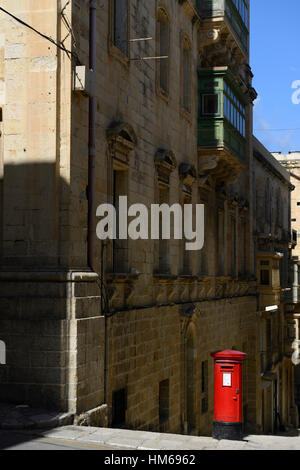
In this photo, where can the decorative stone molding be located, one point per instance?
(209, 36)
(165, 288)
(165, 163)
(187, 174)
(205, 182)
(220, 164)
(218, 46)
(121, 288)
(121, 140)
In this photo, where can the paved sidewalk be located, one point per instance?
(102, 438)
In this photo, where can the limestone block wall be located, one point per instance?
(50, 317)
(148, 346)
(29, 105)
(54, 339)
(127, 93)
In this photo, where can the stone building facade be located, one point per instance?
(272, 195)
(291, 162)
(145, 99)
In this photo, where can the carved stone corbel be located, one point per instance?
(129, 291)
(209, 36)
(208, 163)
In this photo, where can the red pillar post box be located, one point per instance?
(228, 400)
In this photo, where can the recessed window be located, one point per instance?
(119, 246)
(119, 407)
(186, 75)
(265, 277)
(120, 30)
(265, 263)
(164, 393)
(204, 387)
(210, 104)
(163, 36)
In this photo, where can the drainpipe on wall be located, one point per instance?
(92, 135)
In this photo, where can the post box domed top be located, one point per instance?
(229, 355)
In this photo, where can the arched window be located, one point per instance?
(163, 49)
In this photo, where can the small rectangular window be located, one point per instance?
(264, 277)
(265, 263)
(164, 392)
(204, 386)
(210, 104)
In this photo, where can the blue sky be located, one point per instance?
(275, 62)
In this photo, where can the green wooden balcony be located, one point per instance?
(233, 12)
(221, 118)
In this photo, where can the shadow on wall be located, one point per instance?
(33, 287)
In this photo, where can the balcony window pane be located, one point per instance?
(210, 104)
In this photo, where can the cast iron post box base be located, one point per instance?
(228, 431)
(228, 396)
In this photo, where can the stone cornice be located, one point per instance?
(258, 156)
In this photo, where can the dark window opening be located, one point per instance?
(121, 25)
(164, 392)
(119, 407)
(265, 263)
(264, 277)
(204, 387)
(164, 52)
(210, 104)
